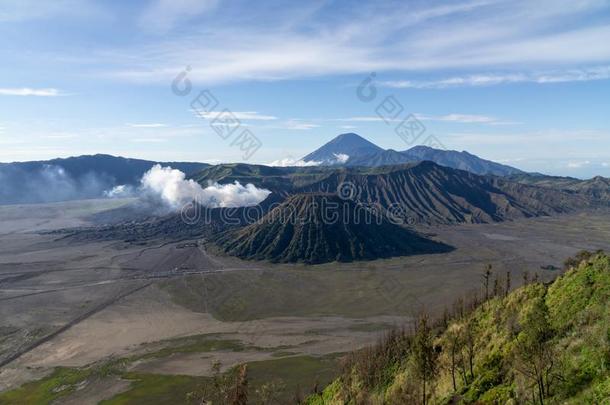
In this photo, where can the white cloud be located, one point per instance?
(363, 119)
(341, 157)
(26, 10)
(286, 162)
(152, 125)
(464, 119)
(299, 125)
(162, 15)
(59, 135)
(240, 115)
(454, 117)
(408, 37)
(26, 91)
(535, 141)
(578, 165)
(556, 76)
(228, 124)
(149, 140)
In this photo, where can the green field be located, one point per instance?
(287, 376)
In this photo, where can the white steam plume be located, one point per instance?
(341, 157)
(286, 162)
(174, 191)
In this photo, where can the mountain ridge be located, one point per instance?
(373, 155)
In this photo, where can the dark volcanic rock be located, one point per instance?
(316, 228)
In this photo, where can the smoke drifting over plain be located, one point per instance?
(48, 183)
(159, 190)
(169, 188)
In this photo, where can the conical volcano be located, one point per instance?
(316, 228)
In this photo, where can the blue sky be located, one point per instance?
(521, 82)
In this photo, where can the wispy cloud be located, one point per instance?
(361, 119)
(578, 165)
(149, 140)
(458, 118)
(26, 91)
(556, 76)
(162, 15)
(289, 161)
(534, 141)
(59, 135)
(25, 10)
(408, 37)
(465, 119)
(240, 115)
(151, 125)
(299, 125)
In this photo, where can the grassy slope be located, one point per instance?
(579, 314)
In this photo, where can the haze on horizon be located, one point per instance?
(517, 82)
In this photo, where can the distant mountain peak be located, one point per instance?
(341, 148)
(350, 136)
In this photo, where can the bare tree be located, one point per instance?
(534, 351)
(526, 277)
(496, 290)
(469, 345)
(454, 347)
(486, 276)
(239, 391)
(425, 357)
(458, 307)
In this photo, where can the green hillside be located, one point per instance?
(539, 344)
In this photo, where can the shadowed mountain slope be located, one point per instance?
(428, 193)
(316, 228)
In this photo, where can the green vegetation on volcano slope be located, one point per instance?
(536, 345)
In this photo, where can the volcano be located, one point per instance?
(317, 228)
